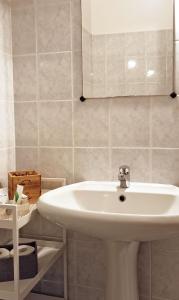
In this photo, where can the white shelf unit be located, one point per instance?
(47, 252)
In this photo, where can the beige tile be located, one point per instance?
(76, 25)
(89, 293)
(130, 122)
(26, 124)
(26, 158)
(98, 76)
(135, 43)
(5, 27)
(135, 89)
(50, 230)
(144, 270)
(98, 88)
(71, 262)
(55, 123)
(53, 26)
(157, 88)
(165, 122)
(158, 66)
(77, 74)
(115, 69)
(169, 73)
(98, 46)
(141, 297)
(11, 163)
(33, 228)
(41, 3)
(165, 270)
(56, 162)
(78, 236)
(90, 258)
(10, 125)
(86, 42)
(9, 80)
(177, 67)
(55, 77)
(135, 67)
(168, 245)
(72, 292)
(170, 42)
(114, 88)
(91, 123)
(177, 19)
(4, 167)
(21, 4)
(4, 124)
(136, 159)
(165, 166)
(24, 78)
(23, 28)
(91, 164)
(5, 77)
(156, 42)
(98, 66)
(115, 45)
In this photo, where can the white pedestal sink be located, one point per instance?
(121, 217)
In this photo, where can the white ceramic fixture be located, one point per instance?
(121, 217)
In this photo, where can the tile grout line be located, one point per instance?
(72, 92)
(95, 147)
(109, 139)
(150, 138)
(41, 101)
(42, 53)
(12, 87)
(37, 85)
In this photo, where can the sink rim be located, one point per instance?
(129, 217)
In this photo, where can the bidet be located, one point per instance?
(121, 217)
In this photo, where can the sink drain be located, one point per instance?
(122, 198)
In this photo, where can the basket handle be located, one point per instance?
(25, 181)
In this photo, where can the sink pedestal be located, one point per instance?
(121, 281)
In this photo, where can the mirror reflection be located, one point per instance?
(127, 47)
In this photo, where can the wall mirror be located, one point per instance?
(127, 47)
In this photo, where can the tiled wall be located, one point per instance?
(177, 46)
(61, 136)
(124, 64)
(7, 134)
(7, 142)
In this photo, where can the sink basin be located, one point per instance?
(121, 217)
(141, 212)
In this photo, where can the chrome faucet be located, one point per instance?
(124, 177)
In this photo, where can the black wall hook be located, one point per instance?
(173, 95)
(82, 99)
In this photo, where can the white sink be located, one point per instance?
(121, 217)
(150, 211)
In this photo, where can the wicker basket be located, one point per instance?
(31, 180)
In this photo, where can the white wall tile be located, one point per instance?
(55, 82)
(53, 26)
(55, 124)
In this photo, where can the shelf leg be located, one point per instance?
(65, 265)
(15, 236)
